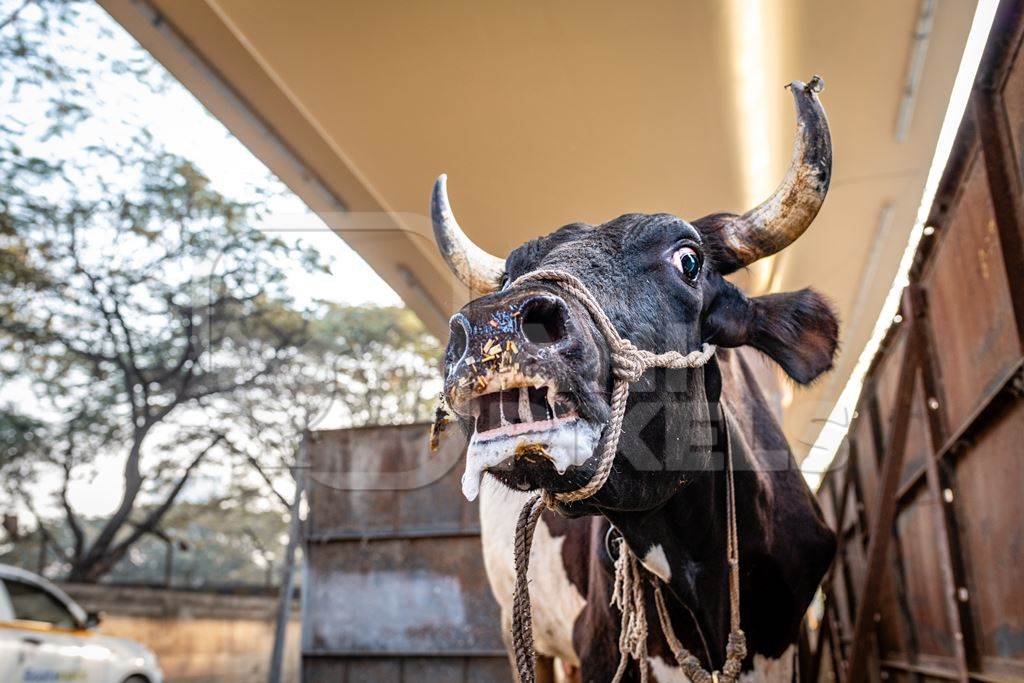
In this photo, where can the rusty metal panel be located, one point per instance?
(841, 600)
(990, 505)
(919, 443)
(885, 380)
(1013, 98)
(408, 670)
(857, 561)
(422, 596)
(919, 537)
(867, 467)
(395, 588)
(383, 479)
(895, 638)
(971, 311)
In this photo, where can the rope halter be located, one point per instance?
(628, 365)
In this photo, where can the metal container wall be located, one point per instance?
(928, 494)
(394, 588)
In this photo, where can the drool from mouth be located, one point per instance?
(528, 422)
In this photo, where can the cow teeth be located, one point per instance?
(569, 444)
(524, 405)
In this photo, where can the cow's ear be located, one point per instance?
(798, 330)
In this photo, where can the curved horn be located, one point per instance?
(779, 220)
(477, 269)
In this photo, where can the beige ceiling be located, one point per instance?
(546, 113)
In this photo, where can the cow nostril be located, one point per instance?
(458, 338)
(544, 320)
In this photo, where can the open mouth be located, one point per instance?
(531, 423)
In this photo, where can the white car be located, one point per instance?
(46, 637)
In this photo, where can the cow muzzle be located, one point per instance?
(521, 376)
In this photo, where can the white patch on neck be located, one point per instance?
(657, 563)
(767, 670)
(568, 442)
(556, 601)
(665, 672)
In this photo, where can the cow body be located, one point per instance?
(571, 572)
(535, 373)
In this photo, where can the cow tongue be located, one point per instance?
(567, 443)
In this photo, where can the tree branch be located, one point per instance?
(69, 513)
(255, 464)
(132, 486)
(149, 523)
(27, 500)
(129, 367)
(13, 16)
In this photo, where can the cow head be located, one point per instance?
(528, 375)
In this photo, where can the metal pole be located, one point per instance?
(288, 573)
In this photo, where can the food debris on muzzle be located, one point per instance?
(534, 452)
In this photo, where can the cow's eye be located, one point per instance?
(687, 262)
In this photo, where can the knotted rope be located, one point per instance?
(628, 365)
(628, 596)
(736, 646)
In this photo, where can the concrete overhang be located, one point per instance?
(549, 113)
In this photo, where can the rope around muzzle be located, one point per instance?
(628, 365)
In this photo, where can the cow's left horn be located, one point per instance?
(477, 269)
(779, 220)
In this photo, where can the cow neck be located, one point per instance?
(628, 364)
(695, 531)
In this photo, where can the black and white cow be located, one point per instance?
(528, 376)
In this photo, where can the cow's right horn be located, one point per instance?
(778, 221)
(477, 269)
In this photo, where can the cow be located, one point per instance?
(528, 375)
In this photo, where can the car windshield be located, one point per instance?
(31, 603)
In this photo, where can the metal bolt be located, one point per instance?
(933, 403)
(856, 414)
(877, 617)
(897, 319)
(958, 635)
(947, 495)
(929, 230)
(962, 594)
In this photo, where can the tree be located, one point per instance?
(137, 297)
(236, 534)
(117, 337)
(144, 318)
